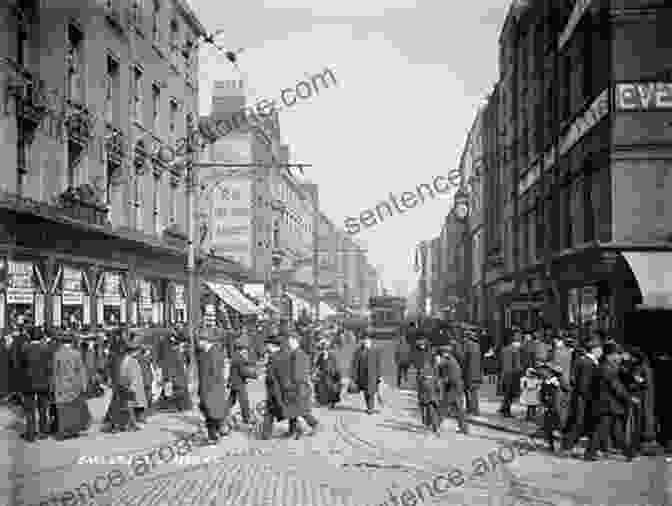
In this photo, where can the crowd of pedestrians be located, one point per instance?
(48, 375)
(573, 383)
(591, 387)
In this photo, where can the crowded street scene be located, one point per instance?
(219, 286)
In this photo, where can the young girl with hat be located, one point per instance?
(530, 386)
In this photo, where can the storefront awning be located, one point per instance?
(326, 310)
(298, 305)
(249, 306)
(224, 294)
(257, 291)
(653, 271)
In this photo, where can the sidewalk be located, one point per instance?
(536, 474)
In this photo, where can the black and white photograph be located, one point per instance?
(319, 253)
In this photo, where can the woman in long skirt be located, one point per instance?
(328, 385)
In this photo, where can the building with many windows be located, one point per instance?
(576, 157)
(93, 219)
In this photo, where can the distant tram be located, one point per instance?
(387, 316)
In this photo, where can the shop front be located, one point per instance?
(24, 299)
(148, 307)
(111, 299)
(71, 298)
(177, 312)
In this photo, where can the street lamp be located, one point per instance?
(461, 204)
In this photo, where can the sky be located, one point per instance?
(411, 75)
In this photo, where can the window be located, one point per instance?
(137, 9)
(174, 42)
(157, 202)
(173, 203)
(136, 107)
(156, 21)
(74, 64)
(172, 121)
(156, 106)
(137, 190)
(112, 91)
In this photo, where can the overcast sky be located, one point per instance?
(410, 73)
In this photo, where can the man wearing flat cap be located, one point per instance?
(473, 373)
(451, 378)
(586, 386)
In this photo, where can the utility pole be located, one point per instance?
(192, 286)
(316, 254)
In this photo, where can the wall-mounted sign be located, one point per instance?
(145, 295)
(72, 280)
(179, 297)
(585, 122)
(19, 296)
(20, 275)
(579, 10)
(230, 220)
(112, 289)
(643, 96)
(72, 298)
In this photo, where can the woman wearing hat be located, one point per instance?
(69, 385)
(131, 383)
(328, 384)
(212, 387)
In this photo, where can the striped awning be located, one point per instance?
(229, 298)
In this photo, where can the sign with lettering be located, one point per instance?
(231, 221)
(21, 275)
(585, 122)
(145, 295)
(579, 10)
(72, 280)
(643, 96)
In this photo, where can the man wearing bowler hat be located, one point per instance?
(586, 389)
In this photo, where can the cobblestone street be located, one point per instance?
(356, 459)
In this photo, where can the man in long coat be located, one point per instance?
(422, 355)
(277, 367)
(366, 372)
(473, 374)
(69, 384)
(402, 357)
(212, 387)
(450, 376)
(328, 376)
(611, 405)
(586, 390)
(242, 370)
(36, 366)
(296, 390)
(511, 371)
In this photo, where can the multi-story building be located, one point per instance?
(93, 216)
(585, 155)
(493, 209)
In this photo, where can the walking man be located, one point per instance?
(402, 357)
(512, 369)
(36, 365)
(366, 372)
(450, 376)
(297, 394)
(586, 389)
(473, 374)
(242, 370)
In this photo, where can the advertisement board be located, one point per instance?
(230, 220)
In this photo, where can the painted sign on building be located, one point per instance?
(643, 96)
(585, 122)
(230, 220)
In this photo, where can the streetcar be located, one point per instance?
(386, 316)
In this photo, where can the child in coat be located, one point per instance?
(530, 386)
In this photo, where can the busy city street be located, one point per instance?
(354, 253)
(357, 459)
